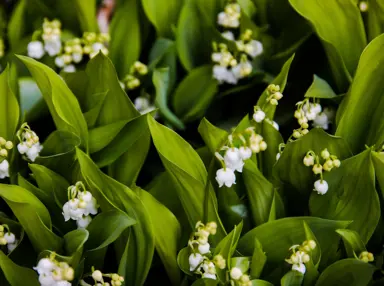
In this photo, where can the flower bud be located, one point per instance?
(97, 275)
(325, 154)
(263, 146)
(235, 273)
(3, 153)
(9, 145)
(317, 169)
(2, 141)
(336, 163)
(308, 160)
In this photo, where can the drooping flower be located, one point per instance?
(321, 187)
(225, 177)
(36, 49)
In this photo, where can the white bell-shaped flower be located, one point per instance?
(204, 248)
(259, 116)
(209, 275)
(33, 152)
(45, 265)
(59, 61)
(299, 267)
(52, 46)
(4, 169)
(36, 50)
(77, 57)
(233, 160)
(235, 273)
(22, 148)
(12, 246)
(321, 187)
(225, 177)
(10, 237)
(245, 152)
(69, 69)
(253, 48)
(63, 283)
(195, 259)
(84, 221)
(223, 75)
(243, 69)
(228, 35)
(321, 120)
(46, 279)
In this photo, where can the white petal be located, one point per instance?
(36, 50)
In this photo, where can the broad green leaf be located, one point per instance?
(113, 223)
(44, 197)
(182, 260)
(9, 107)
(163, 17)
(281, 80)
(74, 244)
(351, 272)
(320, 89)
(139, 247)
(133, 133)
(62, 104)
(375, 19)
(189, 174)
(258, 282)
(125, 32)
(205, 282)
(258, 260)
(278, 236)
(290, 167)
(378, 162)
(32, 104)
(242, 263)
(352, 242)
(194, 94)
(167, 232)
(312, 273)
(213, 136)
(102, 77)
(227, 247)
(17, 25)
(351, 195)
(32, 215)
(261, 194)
(86, 14)
(160, 80)
(360, 120)
(343, 50)
(292, 278)
(17, 275)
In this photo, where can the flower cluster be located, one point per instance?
(249, 142)
(98, 278)
(5, 146)
(2, 48)
(136, 71)
(80, 205)
(7, 238)
(199, 260)
(54, 273)
(230, 67)
(29, 145)
(238, 278)
(274, 94)
(301, 255)
(76, 49)
(366, 256)
(51, 40)
(329, 162)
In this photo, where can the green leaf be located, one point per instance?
(113, 223)
(320, 89)
(194, 94)
(188, 173)
(261, 194)
(182, 260)
(227, 247)
(351, 272)
(315, 253)
(280, 80)
(375, 19)
(167, 232)
(258, 282)
(292, 278)
(290, 167)
(278, 236)
(86, 14)
(102, 77)
(17, 25)
(163, 17)
(17, 275)
(343, 49)
(32, 215)
(160, 80)
(74, 244)
(378, 162)
(137, 257)
(62, 104)
(352, 242)
(242, 263)
(351, 195)
(258, 260)
(9, 107)
(360, 120)
(205, 282)
(125, 32)
(213, 136)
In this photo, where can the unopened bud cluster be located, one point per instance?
(274, 94)
(301, 255)
(136, 72)
(200, 260)
(5, 146)
(238, 278)
(54, 273)
(100, 277)
(76, 49)
(366, 256)
(324, 162)
(29, 145)
(50, 41)
(240, 148)
(7, 238)
(231, 66)
(81, 204)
